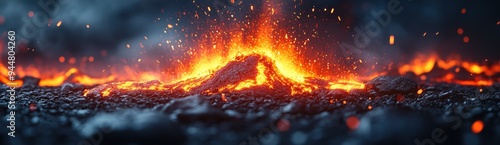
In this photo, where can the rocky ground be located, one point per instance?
(388, 111)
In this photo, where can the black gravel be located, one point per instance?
(389, 111)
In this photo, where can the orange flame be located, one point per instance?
(423, 64)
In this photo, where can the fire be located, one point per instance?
(424, 64)
(265, 63)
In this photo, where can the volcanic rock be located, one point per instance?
(132, 126)
(30, 81)
(71, 87)
(194, 108)
(391, 85)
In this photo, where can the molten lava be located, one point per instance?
(255, 73)
(454, 68)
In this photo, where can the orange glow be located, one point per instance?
(352, 122)
(463, 11)
(423, 64)
(420, 91)
(391, 39)
(223, 97)
(477, 127)
(62, 59)
(283, 125)
(466, 39)
(460, 31)
(59, 24)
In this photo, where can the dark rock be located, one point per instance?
(294, 107)
(71, 87)
(194, 108)
(133, 127)
(391, 85)
(30, 81)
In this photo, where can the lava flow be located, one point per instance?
(256, 73)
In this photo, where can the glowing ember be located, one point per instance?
(460, 31)
(59, 24)
(466, 39)
(352, 122)
(420, 91)
(477, 126)
(391, 40)
(283, 125)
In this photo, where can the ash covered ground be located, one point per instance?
(388, 111)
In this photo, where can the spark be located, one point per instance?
(72, 60)
(460, 31)
(59, 24)
(466, 39)
(391, 39)
(62, 59)
(477, 126)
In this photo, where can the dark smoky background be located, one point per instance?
(121, 32)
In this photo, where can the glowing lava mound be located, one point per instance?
(255, 74)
